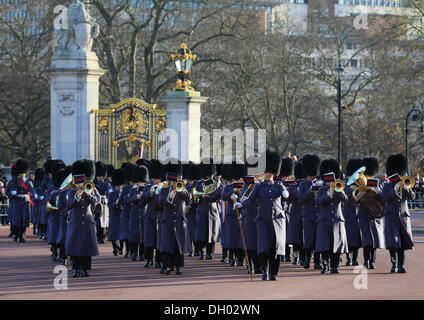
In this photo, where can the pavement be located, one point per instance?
(26, 272)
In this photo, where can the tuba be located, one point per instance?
(359, 179)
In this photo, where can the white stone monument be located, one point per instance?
(74, 85)
(183, 112)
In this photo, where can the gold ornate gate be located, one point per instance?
(129, 120)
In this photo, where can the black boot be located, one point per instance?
(149, 263)
(317, 261)
(401, 261)
(306, 263)
(264, 275)
(355, 257)
(178, 271)
(75, 273)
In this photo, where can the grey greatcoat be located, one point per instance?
(372, 230)
(249, 213)
(397, 223)
(173, 223)
(208, 216)
(125, 216)
(331, 232)
(53, 218)
(309, 213)
(350, 213)
(270, 220)
(150, 220)
(294, 222)
(115, 209)
(232, 227)
(135, 223)
(81, 239)
(19, 204)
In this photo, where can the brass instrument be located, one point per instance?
(248, 192)
(338, 185)
(161, 185)
(69, 182)
(196, 195)
(50, 208)
(210, 188)
(360, 180)
(407, 183)
(179, 186)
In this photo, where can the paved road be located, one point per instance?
(26, 272)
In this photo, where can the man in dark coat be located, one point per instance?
(125, 216)
(63, 212)
(208, 211)
(397, 226)
(232, 228)
(21, 191)
(54, 213)
(115, 209)
(140, 175)
(194, 175)
(294, 221)
(372, 229)
(270, 222)
(286, 174)
(102, 187)
(310, 210)
(39, 188)
(175, 241)
(331, 238)
(350, 213)
(81, 240)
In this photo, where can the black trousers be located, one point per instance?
(270, 261)
(209, 246)
(333, 258)
(62, 250)
(148, 254)
(169, 260)
(397, 256)
(81, 263)
(53, 248)
(254, 260)
(137, 249)
(353, 254)
(236, 253)
(369, 253)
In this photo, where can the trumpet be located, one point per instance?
(160, 186)
(196, 195)
(338, 185)
(179, 186)
(406, 183)
(50, 208)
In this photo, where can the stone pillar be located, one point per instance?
(74, 90)
(183, 117)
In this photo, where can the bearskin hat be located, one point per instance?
(396, 163)
(195, 171)
(100, 169)
(118, 177)
(174, 166)
(48, 166)
(39, 174)
(67, 172)
(286, 169)
(109, 170)
(219, 168)
(126, 167)
(142, 162)
(208, 168)
(21, 166)
(226, 171)
(185, 167)
(310, 165)
(237, 171)
(155, 169)
(298, 171)
(328, 166)
(57, 177)
(272, 160)
(140, 174)
(86, 167)
(59, 164)
(353, 165)
(372, 166)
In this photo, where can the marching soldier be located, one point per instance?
(20, 191)
(208, 212)
(194, 175)
(331, 233)
(123, 236)
(39, 187)
(115, 209)
(306, 195)
(232, 228)
(270, 222)
(175, 241)
(397, 225)
(151, 214)
(81, 240)
(63, 212)
(140, 175)
(109, 171)
(10, 213)
(350, 213)
(102, 187)
(372, 229)
(294, 221)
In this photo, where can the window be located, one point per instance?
(354, 63)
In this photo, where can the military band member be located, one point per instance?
(397, 224)
(115, 209)
(286, 173)
(294, 221)
(232, 227)
(109, 171)
(20, 191)
(127, 168)
(226, 176)
(194, 175)
(12, 206)
(81, 240)
(270, 222)
(310, 210)
(39, 187)
(140, 175)
(331, 238)
(350, 213)
(208, 211)
(151, 214)
(102, 187)
(372, 229)
(175, 241)
(63, 212)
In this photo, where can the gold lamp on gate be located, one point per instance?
(183, 60)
